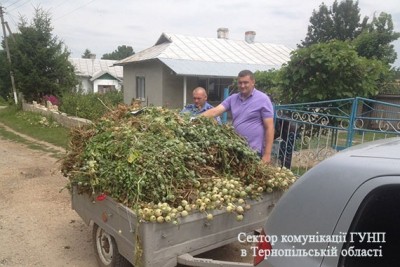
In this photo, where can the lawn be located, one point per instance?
(34, 125)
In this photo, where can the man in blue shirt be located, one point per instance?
(200, 104)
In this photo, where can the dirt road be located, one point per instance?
(37, 225)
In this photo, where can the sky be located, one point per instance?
(103, 25)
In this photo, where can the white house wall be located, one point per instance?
(153, 74)
(163, 87)
(86, 85)
(173, 89)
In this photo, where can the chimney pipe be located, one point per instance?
(223, 33)
(249, 36)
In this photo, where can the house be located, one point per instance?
(166, 73)
(97, 75)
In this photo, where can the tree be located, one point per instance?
(40, 61)
(87, 53)
(269, 82)
(332, 70)
(121, 53)
(321, 28)
(5, 83)
(340, 22)
(375, 41)
(346, 20)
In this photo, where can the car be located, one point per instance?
(345, 211)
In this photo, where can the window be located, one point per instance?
(140, 88)
(214, 87)
(378, 213)
(102, 89)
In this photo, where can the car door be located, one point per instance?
(368, 230)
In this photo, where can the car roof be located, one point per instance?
(316, 200)
(353, 166)
(384, 148)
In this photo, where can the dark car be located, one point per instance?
(343, 212)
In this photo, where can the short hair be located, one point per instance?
(244, 73)
(200, 89)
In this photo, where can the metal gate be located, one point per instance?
(307, 133)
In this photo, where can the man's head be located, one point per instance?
(199, 97)
(246, 82)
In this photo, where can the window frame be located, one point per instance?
(141, 87)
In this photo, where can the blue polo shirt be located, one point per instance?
(248, 115)
(191, 108)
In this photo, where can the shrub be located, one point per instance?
(3, 102)
(89, 106)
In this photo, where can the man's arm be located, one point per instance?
(214, 112)
(268, 139)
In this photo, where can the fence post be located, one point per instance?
(350, 129)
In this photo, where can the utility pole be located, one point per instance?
(8, 53)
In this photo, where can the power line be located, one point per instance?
(74, 10)
(11, 17)
(13, 3)
(20, 5)
(60, 4)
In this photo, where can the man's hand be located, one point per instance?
(266, 158)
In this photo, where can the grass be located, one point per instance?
(19, 139)
(33, 125)
(12, 136)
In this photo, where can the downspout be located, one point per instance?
(184, 90)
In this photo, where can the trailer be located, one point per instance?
(120, 239)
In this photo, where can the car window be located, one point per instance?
(373, 238)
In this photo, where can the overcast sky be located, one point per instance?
(103, 25)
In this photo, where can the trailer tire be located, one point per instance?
(106, 249)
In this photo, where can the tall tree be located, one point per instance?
(340, 22)
(87, 53)
(122, 52)
(375, 41)
(321, 28)
(40, 60)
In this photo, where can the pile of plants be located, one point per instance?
(166, 165)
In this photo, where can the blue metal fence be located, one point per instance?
(307, 133)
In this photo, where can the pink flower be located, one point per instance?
(53, 99)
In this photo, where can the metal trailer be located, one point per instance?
(118, 236)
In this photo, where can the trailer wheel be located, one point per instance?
(106, 249)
